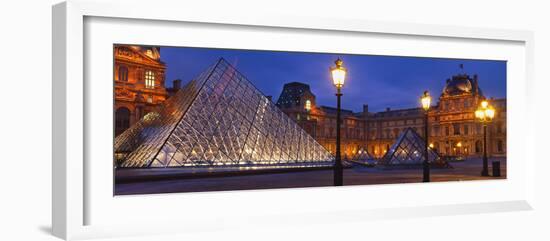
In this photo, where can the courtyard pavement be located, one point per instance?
(462, 171)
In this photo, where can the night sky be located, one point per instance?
(379, 81)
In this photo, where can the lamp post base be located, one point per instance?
(338, 176)
(485, 170)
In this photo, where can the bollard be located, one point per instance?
(496, 168)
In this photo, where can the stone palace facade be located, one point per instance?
(453, 129)
(138, 83)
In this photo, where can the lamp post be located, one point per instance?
(426, 100)
(485, 114)
(338, 77)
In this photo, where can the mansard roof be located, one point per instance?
(132, 53)
(292, 92)
(400, 112)
(332, 110)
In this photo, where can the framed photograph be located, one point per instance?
(208, 121)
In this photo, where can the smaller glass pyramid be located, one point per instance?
(361, 155)
(408, 150)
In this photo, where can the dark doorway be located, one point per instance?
(122, 120)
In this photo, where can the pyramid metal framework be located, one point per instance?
(409, 150)
(218, 119)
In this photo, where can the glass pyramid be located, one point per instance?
(218, 119)
(361, 155)
(409, 150)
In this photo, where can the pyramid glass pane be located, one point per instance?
(218, 119)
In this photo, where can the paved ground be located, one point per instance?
(461, 171)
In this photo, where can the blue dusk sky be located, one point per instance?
(379, 81)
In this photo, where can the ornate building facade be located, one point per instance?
(453, 129)
(138, 83)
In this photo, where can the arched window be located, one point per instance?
(123, 73)
(122, 120)
(149, 79)
(308, 105)
(456, 129)
(500, 146)
(435, 131)
(479, 148)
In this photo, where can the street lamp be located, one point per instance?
(426, 100)
(485, 114)
(338, 77)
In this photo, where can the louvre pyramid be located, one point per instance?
(408, 150)
(218, 119)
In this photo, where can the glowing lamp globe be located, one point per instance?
(490, 113)
(484, 104)
(480, 114)
(426, 100)
(338, 74)
(485, 112)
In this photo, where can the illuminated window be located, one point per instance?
(308, 105)
(123, 73)
(149, 79)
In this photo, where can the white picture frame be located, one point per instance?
(78, 195)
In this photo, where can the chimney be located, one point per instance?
(176, 84)
(475, 87)
(365, 109)
(448, 80)
(388, 108)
